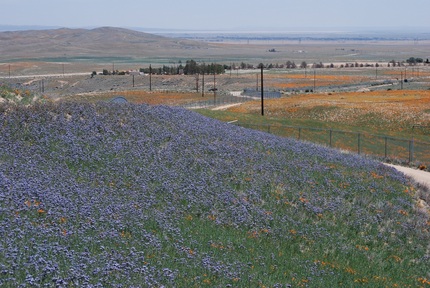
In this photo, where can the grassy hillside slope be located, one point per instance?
(134, 195)
(83, 44)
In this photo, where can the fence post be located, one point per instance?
(359, 143)
(411, 150)
(386, 147)
(300, 132)
(331, 132)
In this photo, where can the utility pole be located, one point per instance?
(150, 77)
(203, 81)
(401, 80)
(262, 92)
(214, 86)
(314, 79)
(197, 82)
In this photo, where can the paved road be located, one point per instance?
(46, 75)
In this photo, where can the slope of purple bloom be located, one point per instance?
(92, 194)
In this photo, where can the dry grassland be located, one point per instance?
(395, 111)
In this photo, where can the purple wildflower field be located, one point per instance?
(122, 195)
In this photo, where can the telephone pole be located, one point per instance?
(214, 87)
(262, 92)
(150, 77)
(401, 80)
(314, 79)
(203, 81)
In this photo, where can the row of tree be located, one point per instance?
(414, 61)
(191, 67)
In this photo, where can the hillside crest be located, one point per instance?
(98, 42)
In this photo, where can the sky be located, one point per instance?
(234, 15)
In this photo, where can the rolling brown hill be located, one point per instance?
(99, 42)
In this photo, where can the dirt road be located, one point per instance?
(419, 176)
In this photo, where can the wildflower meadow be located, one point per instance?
(125, 195)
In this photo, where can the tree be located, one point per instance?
(318, 65)
(411, 61)
(290, 65)
(191, 67)
(303, 65)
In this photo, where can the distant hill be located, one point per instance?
(99, 42)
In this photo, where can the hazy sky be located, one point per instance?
(217, 14)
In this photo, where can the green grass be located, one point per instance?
(366, 125)
(372, 140)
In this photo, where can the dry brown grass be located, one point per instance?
(388, 110)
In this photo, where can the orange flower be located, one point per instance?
(396, 258)
(252, 234)
(403, 212)
(212, 217)
(424, 281)
(303, 200)
(376, 176)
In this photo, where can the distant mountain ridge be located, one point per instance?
(98, 42)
